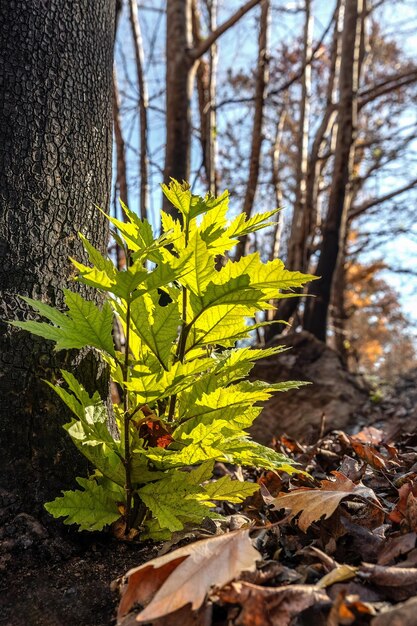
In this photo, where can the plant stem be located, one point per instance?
(127, 453)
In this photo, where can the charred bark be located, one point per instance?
(316, 309)
(55, 149)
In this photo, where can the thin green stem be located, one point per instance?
(127, 452)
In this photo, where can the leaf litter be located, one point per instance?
(332, 547)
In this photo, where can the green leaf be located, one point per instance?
(84, 324)
(174, 502)
(91, 509)
(243, 451)
(156, 326)
(237, 291)
(242, 225)
(230, 490)
(181, 198)
(200, 265)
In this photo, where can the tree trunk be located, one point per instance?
(316, 311)
(55, 150)
(262, 76)
(179, 84)
(143, 108)
(206, 90)
(298, 238)
(297, 256)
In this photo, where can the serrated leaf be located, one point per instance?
(270, 277)
(251, 454)
(179, 195)
(84, 324)
(230, 490)
(316, 503)
(200, 265)
(242, 225)
(157, 326)
(172, 501)
(91, 509)
(236, 291)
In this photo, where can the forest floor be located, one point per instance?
(358, 566)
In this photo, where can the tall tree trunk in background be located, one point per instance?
(316, 309)
(206, 90)
(338, 312)
(179, 85)
(143, 108)
(56, 63)
(211, 107)
(296, 257)
(262, 75)
(121, 190)
(181, 63)
(297, 244)
(276, 182)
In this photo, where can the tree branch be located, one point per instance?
(387, 86)
(205, 45)
(356, 211)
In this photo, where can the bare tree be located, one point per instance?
(143, 107)
(257, 129)
(316, 309)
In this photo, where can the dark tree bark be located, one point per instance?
(56, 62)
(316, 309)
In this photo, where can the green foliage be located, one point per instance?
(186, 400)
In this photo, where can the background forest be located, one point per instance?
(309, 106)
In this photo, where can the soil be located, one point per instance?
(52, 576)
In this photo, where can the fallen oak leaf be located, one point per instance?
(323, 501)
(271, 606)
(186, 575)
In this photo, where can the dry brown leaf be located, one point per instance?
(337, 575)
(271, 606)
(405, 509)
(398, 583)
(186, 575)
(316, 503)
(400, 615)
(345, 609)
(369, 434)
(395, 547)
(369, 454)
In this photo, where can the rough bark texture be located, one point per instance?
(55, 153)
